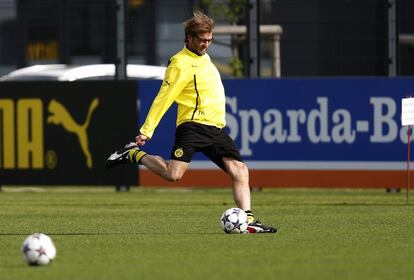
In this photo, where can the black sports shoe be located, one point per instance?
(121, 156)
(258, 227)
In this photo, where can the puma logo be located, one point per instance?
(60, 116)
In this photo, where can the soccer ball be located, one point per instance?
(234, 220)
(38, 249)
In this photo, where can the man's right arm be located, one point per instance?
(174, 82)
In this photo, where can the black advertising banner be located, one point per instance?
(60, 133)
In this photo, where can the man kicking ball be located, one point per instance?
(194, 83)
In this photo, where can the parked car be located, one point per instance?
(64, 72)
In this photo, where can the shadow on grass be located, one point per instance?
(110, 233)
(402, 204)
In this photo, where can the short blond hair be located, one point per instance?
(197, 24)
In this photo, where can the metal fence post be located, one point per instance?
(392, 38)
(253, 36)
(121, 57)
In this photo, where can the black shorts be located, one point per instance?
(191, 137)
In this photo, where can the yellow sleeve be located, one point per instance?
(174, 82)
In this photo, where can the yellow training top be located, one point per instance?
(194, 83)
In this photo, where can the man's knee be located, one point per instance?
(175, 170)
(242, 169)
(174, 175)
(237, 168)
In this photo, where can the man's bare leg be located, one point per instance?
(172, 170)
(240, 182)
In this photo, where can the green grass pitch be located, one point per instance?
(174, 234)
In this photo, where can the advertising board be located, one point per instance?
(331, 132)
(60, 133)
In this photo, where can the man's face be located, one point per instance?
(200, 43)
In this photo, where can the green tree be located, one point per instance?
(232, 11)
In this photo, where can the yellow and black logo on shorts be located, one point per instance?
(178, 152)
